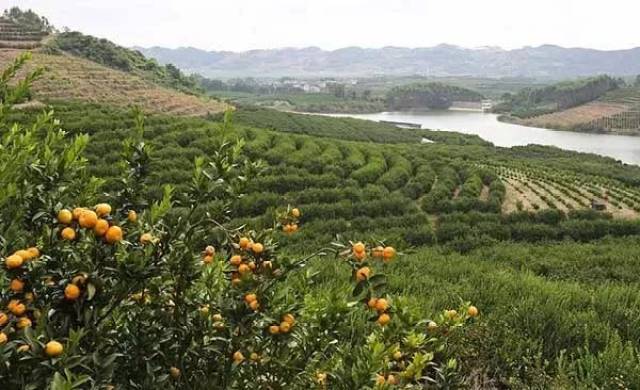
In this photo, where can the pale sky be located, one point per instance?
(238, 25)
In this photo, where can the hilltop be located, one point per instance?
(84, 68)
(545, 61)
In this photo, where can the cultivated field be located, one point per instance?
(71, 78)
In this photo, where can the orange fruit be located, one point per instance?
(472, 311)
(217, 317)
(254, 305)
(380, 379)
(103, 209)
(384, 319)
(287, 228)
(238, 357)
(88, 219)
(236, 260)
(372, 303)
(4, 318)
(243, 269)
(101, 227)
(254, 357)
(388, 253)
(174, 372)
(392, 380)
(219, 325)
(209, 250)
(132, 216)
(360, 255)
(71, 292)
(25, 255)
(68, 234)
(295, 213)
(204, 310)
(18, 309)
(146, 238)
(13, 262)
(207, 259)
(285, 327)
(289, 318)
(244, 242)
(450, 314)
(114, 235)
(257, 248)
(3, 338)
(65, 216)
(23, 322)
(274, 329)
(77, 212)
(382, 305)
(250, 297)
(363, 273)
(252, 265)
(378, 251)
(294, 227)
(53, 349)
(267, 264)
(431, 326)
(358, 247)
(35, 252)
(16, 285)
(397, 355)
(235, 281)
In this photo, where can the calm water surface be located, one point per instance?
(487, 126)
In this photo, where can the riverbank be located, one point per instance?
(506, 118)
(625, 148)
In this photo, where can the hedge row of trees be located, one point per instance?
(433, 95)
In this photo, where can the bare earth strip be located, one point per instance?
(75, 79)
(484, 194)
(577, 115)
(511, 199)
(527, 195)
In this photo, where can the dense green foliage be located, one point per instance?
(28, 20)
(360, 179)
(537, 101)
(434, 95)
(109, 54)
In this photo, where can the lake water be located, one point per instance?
(487, 126)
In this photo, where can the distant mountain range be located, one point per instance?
(546, 61)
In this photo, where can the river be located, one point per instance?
(620, 147)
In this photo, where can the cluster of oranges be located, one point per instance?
(251, 300)
(386, 254)
(208, 254)
(289, 220)
(17, 310)
(244, 261)
(381, 305)
(99, 221)
(390, 379)
(21, 297)
(287, 322)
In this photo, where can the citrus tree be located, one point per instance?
(103, 289)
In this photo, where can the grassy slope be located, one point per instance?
(73, 78)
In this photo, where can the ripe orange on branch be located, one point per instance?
(88, 219)
(53, 349)
(114, 235)
(13, 262)
(65, 216)
(71, 292)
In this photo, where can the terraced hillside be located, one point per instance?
(71, 78)
(618, 111)
(14, 36)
